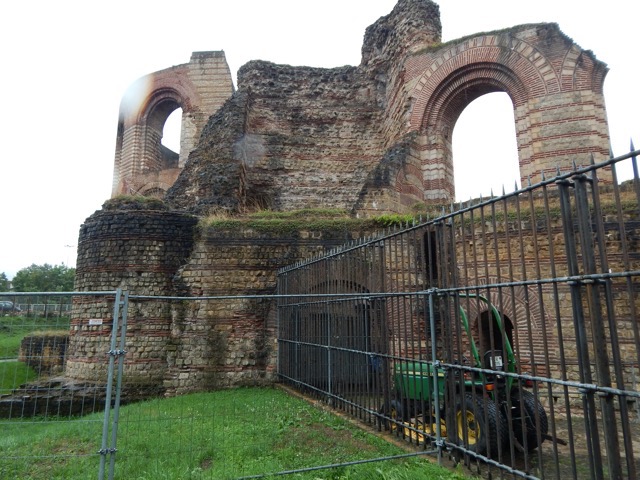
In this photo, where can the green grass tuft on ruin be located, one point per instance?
(290, 222)
(134, 202)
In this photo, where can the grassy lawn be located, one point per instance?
(14, 374)
(219, 435)
(14, 328)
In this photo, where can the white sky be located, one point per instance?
(66, 64)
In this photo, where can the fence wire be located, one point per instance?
(35, 394)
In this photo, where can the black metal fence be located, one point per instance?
(502, 333)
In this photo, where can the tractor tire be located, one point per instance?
(397, 410)
(393, 410)
(531, 405)
(479, 425)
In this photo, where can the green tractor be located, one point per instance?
(476, 407)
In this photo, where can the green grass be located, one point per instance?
(219, 435)
(14, 328)
(13, 374)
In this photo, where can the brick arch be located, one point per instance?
(463, 86)
(448, 100)
(153, 189)
(159, 105)
(555, 87)
(140, 156)
(199, 88)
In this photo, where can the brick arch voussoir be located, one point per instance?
(148, 92)
(464, 86)
(578, 76)
(151, 186)
(527, 64)
(158, 98)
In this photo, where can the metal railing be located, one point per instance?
(502, 333)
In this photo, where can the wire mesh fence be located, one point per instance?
(35, 395)
(502, 333)
(93, 408)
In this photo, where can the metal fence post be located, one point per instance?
(108, 448)
(120, 353)
(104, 451)
(434, 369)
(588, 401)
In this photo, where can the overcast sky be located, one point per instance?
(66, 65)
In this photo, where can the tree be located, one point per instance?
(44, 278)
(4, 282)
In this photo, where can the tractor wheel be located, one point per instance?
(531, 405)
(479, 425)
(395, 411)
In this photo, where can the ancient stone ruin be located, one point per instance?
(364, 140)
(369, 139)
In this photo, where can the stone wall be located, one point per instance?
(179, 344)
(377, 138)
(45, 353)
(306, 136)
(139, 248)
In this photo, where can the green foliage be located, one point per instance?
(304, 213)
(290, 222)
(393, 220)
(4, 282)
(223, 435)
(44, 278)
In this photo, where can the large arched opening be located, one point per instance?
(171, 131)
(160, 144)
(554, 86)
(452, 96)
(485, 151)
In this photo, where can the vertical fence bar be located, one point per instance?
(612, 324)
(590, 419)
(116, 408)
(435, 370)
(597, 327)
(560, 339)
(107, 405)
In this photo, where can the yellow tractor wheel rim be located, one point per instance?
(472, 428)
(394, 415)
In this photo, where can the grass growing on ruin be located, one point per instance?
(290, 222)
(219, 435)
